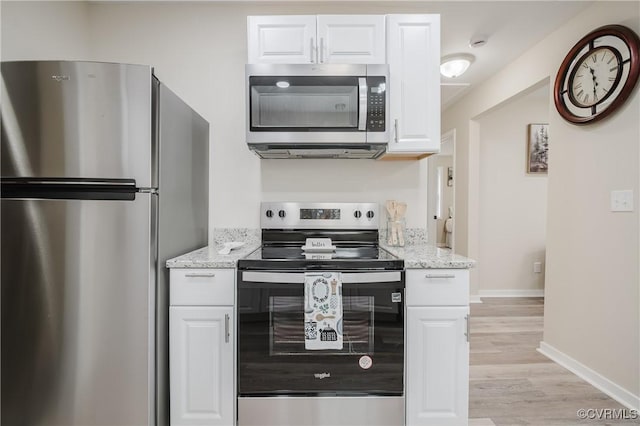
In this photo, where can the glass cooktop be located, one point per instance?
(343, 257)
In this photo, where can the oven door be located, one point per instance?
(272, 359)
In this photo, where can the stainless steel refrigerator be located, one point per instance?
(104, 177)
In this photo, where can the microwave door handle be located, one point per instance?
(362, 94)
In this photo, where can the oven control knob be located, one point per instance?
(269, 213)
(357, 214)
(370, 214)
(282, 213)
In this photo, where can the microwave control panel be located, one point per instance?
(376, 104)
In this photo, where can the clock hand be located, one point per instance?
(595, 83)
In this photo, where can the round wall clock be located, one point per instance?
(598, 74)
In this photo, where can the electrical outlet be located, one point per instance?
(622, 201)
(537, 267)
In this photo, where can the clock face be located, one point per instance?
(598, 74)
(595, 77)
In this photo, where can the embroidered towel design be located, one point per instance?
(322, 310)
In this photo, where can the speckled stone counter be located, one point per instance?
(416, 255)
(208, 257)
(426, 256)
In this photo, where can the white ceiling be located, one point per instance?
(510, 27)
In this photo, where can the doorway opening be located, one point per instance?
(441, 193)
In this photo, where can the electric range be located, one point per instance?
(280, 379)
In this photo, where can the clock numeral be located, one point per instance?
(594, 58)
(586, 98)
(595, 97)
(585, 66)
(579, 75)
(613, 69)
(611, 59)
(577, 86)
(579, 93)
(612, 79)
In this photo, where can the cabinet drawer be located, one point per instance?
(437, 287)
(201, 287)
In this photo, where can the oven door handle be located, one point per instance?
(298, 277)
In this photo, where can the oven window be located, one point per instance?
(287, 332)
(272, 359)
(299, 103)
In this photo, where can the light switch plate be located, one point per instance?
(537, 267)
(622, 200)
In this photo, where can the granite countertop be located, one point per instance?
(208, 257)
(416, 254)
(427, 256)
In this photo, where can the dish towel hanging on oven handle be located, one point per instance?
(323, 310)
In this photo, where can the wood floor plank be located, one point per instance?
(511, 383)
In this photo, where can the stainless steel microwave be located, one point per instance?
(317, 110)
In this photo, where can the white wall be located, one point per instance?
(592, 298)
(44, 30)
(199, 51)
(513, 204)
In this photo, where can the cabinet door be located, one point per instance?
(413, 55)
(281, 39)
(201, 365)
(351, 39)
(437, 366)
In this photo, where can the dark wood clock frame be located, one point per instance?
(632, 41)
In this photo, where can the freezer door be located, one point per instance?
(78, 302)
(77, 119)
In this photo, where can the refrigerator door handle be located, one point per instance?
(68, 188)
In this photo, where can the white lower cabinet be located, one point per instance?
(201, 350)
(437, 382)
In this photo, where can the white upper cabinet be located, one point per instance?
(351, 39)
(304, 39)
(281, 39)
(413, 55)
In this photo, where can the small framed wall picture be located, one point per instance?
(537, 148)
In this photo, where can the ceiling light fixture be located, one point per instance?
(282, 84)
(453, 66)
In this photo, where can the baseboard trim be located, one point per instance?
(474, 298)
(511, 293)
(597, 380)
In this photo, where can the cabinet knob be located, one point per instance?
(282, 213)
(269, 213)
(357, 214)
(370, 214)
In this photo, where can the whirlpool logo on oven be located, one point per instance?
(321, 375)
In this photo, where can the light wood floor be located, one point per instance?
(511, 383)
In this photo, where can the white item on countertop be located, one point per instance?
(231, 245)
(318, 245)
